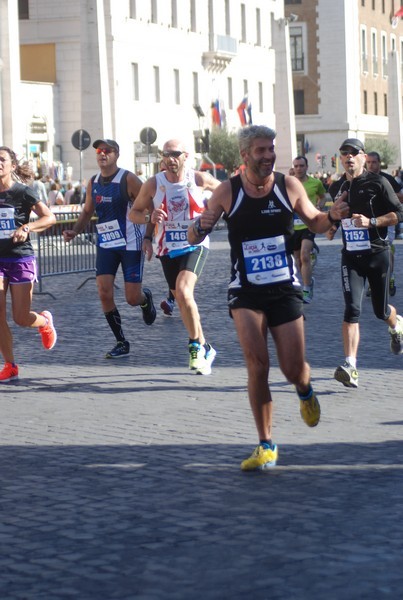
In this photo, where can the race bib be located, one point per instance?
(176, 234)
(7, 223)
(266, 260)
(110, 235)
(356, 238)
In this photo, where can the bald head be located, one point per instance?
(175, 144)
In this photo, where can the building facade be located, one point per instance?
(347, 63)
(117, 68)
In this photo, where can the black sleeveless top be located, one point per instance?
(265, 221)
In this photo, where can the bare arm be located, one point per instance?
(143, 203)
(206, 181)
(45, 220)
(45, 217)
(83, 219)
(315, 220)
(219, 202)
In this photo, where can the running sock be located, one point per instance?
(195, 341)
(351, 360)
(266, 444)
(115, 323)
(307, 394)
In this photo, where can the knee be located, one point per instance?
(296, 372)
(352, 314)
(258, 366)
(105, 294)
(135, 299)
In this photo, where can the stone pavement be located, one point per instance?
(121, 480)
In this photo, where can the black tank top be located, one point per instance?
(259, 219)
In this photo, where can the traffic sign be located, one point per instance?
(148, 135)
(81, 139)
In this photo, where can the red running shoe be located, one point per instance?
(48, 332)
(8, 373)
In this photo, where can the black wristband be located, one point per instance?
(148, 237)
(199, 230)
(329, 216)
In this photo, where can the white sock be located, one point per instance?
(352, 361)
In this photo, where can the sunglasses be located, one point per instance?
(171, 153)
(104, 150)
(353, 152)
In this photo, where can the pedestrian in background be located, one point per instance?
(110, 194)
(17, 260)
(373, 164)
(373, 207)
(303, 240)
(171, 200)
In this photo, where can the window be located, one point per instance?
(132, 10)
(243, 23)
(258, 28)
(383, 6)
(23, 9)
(230, 94)
(260, 88)
(385, 105)
(384, 56)
(227, 18)
(292, 2)
(375, 103)
(177, 87)
(154, 12)
(299, 102)
(245, 86)
(135, 76)
(195, 88)
(296, 48)
(174, 13)
(157, 91)
(374, 54)
(193, 15)
(364, 51)
(365, 101)
(373, 4)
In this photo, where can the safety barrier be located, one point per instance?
(56, 257)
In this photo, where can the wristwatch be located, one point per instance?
(26, 228)
(147, 218)
(373, 222)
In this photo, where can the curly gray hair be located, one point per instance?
(247, 134)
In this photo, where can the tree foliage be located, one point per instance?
(386, 151)
(224, 149)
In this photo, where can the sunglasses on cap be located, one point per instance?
(353, 152)
(104, 150)
(172, 153)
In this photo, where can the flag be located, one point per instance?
(216, 113)
(399, 13)
(244, 111)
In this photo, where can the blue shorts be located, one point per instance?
(132, 261)
(18, 270)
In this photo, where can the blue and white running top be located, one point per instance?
(112, 204)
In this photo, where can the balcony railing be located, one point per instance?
(222, 49)
(297, 64)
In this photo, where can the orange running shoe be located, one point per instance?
(8, 373)
(48, 332)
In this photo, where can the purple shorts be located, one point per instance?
(18, 270)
